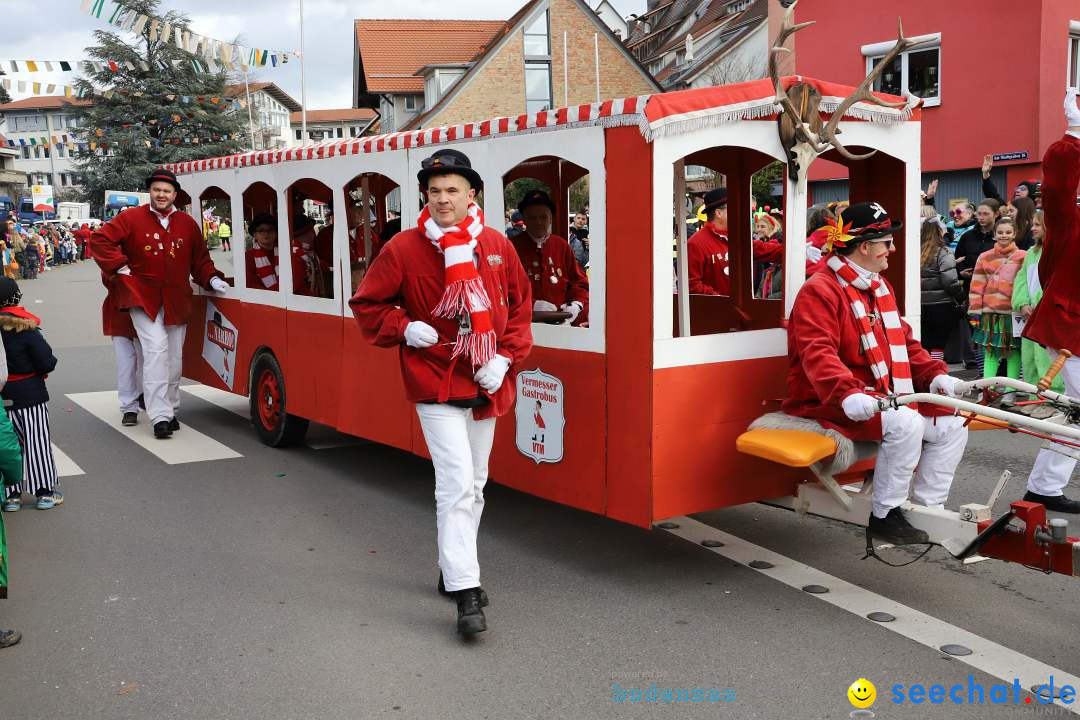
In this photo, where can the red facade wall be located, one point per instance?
(1002, 71)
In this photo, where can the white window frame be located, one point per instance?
(1072, 69)
(417, 101)
(932, 41)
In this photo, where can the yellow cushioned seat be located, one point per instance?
(794, 448)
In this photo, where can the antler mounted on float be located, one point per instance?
(802, 132)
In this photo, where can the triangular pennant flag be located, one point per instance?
(14, 67)
(67, 90)
(85, 7)
(22, 86)
(116, 13)
(113, 66)
(98, 6)
(31, 66)
(48, 66)
(129, 21)
(50, 89)
(65, 66)
(140, 25)
(178, 36)
(6, 83)
(154, 25)
(37, 88)
(166, 32)
(284, 58)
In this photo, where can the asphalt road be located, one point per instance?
(300, 584)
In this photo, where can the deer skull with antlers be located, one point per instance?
(802, 132)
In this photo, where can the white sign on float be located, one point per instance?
(219, 344)
(42, 198)
(539, 415)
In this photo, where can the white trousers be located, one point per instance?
(929, 448)
(459, 447)
(162, 349)
(1052, 470)
(129, 362)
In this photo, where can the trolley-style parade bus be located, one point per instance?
(642, 414)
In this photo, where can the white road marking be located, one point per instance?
(65, 466)
(186, 446)
(987, 656)
(319, 437)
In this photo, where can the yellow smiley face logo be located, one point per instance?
(862, 693)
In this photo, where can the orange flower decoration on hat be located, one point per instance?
(838, 233)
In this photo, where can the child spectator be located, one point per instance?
(990, 300)
(30, 360)
(1027, 292)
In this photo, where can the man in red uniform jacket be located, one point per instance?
(453, 297)
(558, 282)
(707, 249)
(846, 339)
(148, 254)
(116, 323)
(1056, 320)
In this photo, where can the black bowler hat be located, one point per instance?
(262, 219)
(715, 199)
(448, 162)
(536, 197)
(163, 175)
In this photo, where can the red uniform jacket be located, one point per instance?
(114, 321)
(161, 261)
(1056, 320)
(554, 260)
(827, 362)
(707, 261)
(406, 281)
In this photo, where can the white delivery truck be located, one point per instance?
(73, 211)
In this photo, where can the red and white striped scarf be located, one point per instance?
(851, 282)
(264, 268)
(465, 291)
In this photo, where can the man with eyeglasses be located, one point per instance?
(848, 345)
(452, 295)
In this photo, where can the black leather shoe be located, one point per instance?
(895, 528)
(447, 593)
(130, 419)
(470, 618)
(162, 430)
(1057, 503)
(174, 425)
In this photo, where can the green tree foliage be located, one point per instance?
(762, 181)
(152, 117)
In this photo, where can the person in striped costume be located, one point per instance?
(848, 343)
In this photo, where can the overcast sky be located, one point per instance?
(59, 30)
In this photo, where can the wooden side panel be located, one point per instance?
(699, 412)
(629, 326)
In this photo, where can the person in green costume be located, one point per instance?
(1027, 292)
(11, 470)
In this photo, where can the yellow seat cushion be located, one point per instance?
(794, 448)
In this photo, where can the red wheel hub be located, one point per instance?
(269, 399)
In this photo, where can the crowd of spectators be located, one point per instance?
(27, 250)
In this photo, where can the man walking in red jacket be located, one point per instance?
(149, 253)
(451, 294)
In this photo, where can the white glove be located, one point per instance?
(813, 253)
(124, 271)
(490, 375)
(944, 385)
(574, 308)
(859, 406)
(420, 335)
(1072, 112)
(218, 285)
(544, 306)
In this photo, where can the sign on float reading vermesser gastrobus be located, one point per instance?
(539, 416)
(219, 344)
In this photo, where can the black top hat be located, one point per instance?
(262, 219)
(163, 175)
(865, 221)
(536, 197)
(10, 295)
(715, 199)
(448, 162)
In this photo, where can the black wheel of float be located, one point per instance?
(269, 412)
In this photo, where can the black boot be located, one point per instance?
(894, 528)
(162, 430)
(447, 593)
(470, 618)
(174, 424)
(130, 419)
(1057, 503)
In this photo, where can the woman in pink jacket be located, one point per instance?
(990, 300)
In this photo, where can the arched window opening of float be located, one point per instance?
(182, 202)
(373, 215)
(715, 274)
(310, 216)
(767, 208)
(262, 249)
(553, 247)
(215, 208)
(837, 182)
